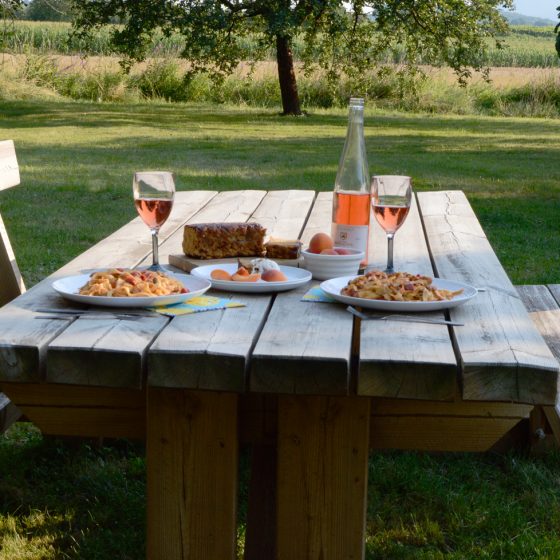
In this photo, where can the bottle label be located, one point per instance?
(355, 237)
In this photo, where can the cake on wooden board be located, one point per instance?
(222, 240)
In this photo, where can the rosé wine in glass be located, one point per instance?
(391, 196)
(154, 192)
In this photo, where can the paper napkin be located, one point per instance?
(315, 294)
(197, 305)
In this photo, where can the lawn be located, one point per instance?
(76, 501)
(77, 161)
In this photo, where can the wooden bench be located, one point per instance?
(11, 285)
(543, 304)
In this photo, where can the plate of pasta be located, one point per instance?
(121, 287)
(398, 291)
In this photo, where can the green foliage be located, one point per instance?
(49, 10)
(165, 79)
(557, 34)
(161, 80)
(10, 9)
(522, 46)
(351, 37)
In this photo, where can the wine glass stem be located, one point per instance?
(390, 237)
(155, 249)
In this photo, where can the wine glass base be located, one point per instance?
(156, 268)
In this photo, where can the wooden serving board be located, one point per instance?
(188, 263)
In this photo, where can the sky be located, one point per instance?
(538, 8)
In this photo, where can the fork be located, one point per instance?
(97, 312)
(91, 316)
(407, 318)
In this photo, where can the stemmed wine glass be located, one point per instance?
(153, 197)
(390, 198)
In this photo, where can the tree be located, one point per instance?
(49, 10)
(9, 11)
(557, 34)
(353, 37)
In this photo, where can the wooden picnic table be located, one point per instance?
(309, 386)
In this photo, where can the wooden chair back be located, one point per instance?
(11, 284)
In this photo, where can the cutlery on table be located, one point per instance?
(91, 317)
(405, 318)
(94, 313)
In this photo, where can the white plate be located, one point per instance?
(296, 277)
(68, 288)
(334, 286)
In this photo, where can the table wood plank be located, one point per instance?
(24, 340)
(102, 352)
(73, 410)
(192, 456)
(503, 355)
(211, 350)
(555, 291)
(228, 206)
(322, 477)
(406, 360)
(281, 212)
(304, 348)
(543, 305)
(545, 313)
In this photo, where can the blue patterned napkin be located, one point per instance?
(197, 305)
(315, 294)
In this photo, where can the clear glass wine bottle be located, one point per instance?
(352, 198)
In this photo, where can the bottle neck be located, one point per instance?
(353, 173)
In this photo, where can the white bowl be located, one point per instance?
(325, 267)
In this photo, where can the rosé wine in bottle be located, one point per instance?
(352, 198)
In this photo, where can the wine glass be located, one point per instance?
(390, 198)
(153, 197)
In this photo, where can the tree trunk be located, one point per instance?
(287, 77)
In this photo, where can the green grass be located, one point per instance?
(77, 161)
(77, 502)
(61, 501)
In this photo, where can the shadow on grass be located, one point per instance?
(87, 504)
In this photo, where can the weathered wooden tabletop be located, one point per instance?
(196, 385)
(497, 356)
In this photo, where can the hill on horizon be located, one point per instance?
(515, 18)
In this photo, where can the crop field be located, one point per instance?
(524, 47)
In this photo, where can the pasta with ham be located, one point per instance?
(120, 282)
(396, 286)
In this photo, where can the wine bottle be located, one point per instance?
(352, 198)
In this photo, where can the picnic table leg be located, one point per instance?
(322, 477)
(192, 458)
